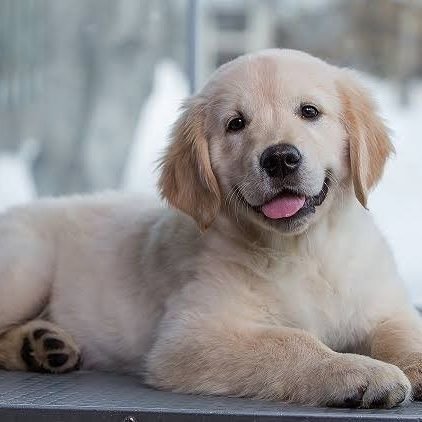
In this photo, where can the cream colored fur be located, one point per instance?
(240, 308)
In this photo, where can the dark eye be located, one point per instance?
(236, 124)
(309, 112)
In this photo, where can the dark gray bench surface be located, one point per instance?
(86, 396)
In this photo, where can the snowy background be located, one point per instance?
(397, 201)
(91, 107)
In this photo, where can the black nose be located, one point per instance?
(280, 160)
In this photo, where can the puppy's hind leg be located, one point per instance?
(27, 255)
(27, 263)
(38, 346)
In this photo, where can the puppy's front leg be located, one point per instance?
(250, 360)
(398, 340)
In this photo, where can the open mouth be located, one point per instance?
(289, 205)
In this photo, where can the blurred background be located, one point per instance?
(89, 88)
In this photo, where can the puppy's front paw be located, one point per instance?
(359, 381)
(46, 348)
(412, 367)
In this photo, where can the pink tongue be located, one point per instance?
(283, 207)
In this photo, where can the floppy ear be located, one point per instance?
(369, 140)
(187, 180)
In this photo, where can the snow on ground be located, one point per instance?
(397, 202)
(152, 132)
(16, 181)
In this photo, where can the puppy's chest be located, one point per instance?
(321, 298)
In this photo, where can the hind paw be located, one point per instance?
(46, 348)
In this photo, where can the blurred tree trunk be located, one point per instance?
(407, 56)
(92, 63)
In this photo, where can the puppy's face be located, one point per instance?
(274, 138)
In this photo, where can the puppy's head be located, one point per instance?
(274, 138)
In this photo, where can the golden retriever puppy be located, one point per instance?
(279, 287)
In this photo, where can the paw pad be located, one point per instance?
(48, 350)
